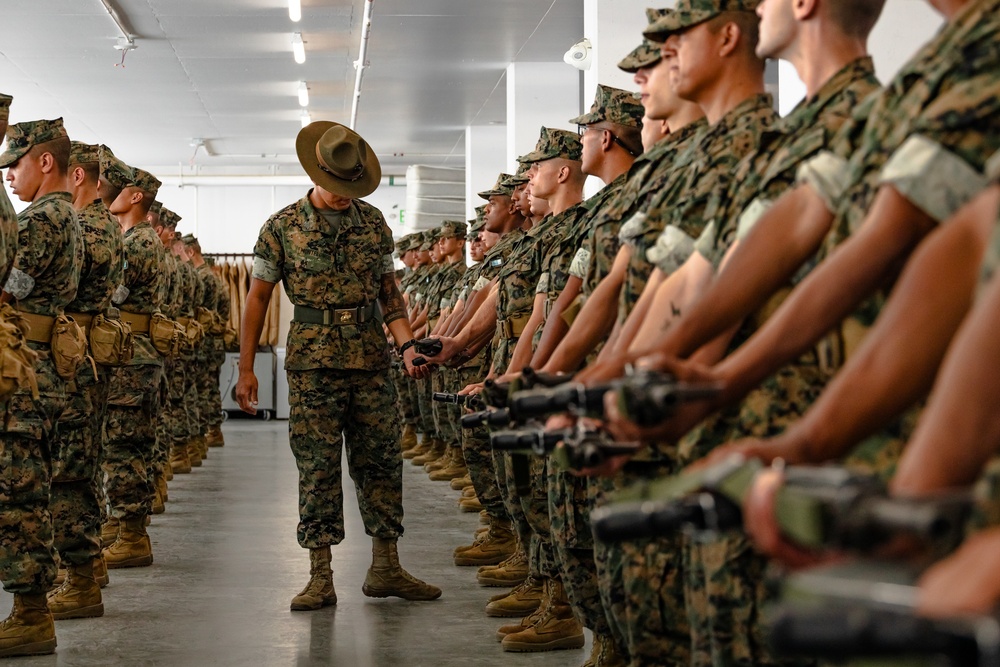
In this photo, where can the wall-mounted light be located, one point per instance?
(306, 118)
(295, 10)
(298, 48)
(303, 94)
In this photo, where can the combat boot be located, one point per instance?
(161, 485)
(60, 577)
(109, 531)
(462, 483)
(470, 504)
(319, 592)
(496, 547)
(436, 451)
(422, 448)
(132, 548)
(511, 572)
(408, 440)
(454, 470)
(442, 461)
(194, 453)
(606, 653)
(387, 577)
(79, 596)
(522, 601)
(101, 572)
(215, 437)
(167, 471)
(29, 630)
(180, 462)
(158, 507)
(556, 628)
(202, 443)
(528, 620)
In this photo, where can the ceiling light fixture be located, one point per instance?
(298, 48)
(303, 94)
(306, 118)
(295, 10)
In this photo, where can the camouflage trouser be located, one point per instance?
(408, 399)
(569, 515)
(642, 588)
(213, 396)
(479, 460)
(76, 456)
(331, 409)
(192, 408)
(206, 379)
(530, 513)
(27, 559)
(427, 425)
(133, 407)
(437, 383)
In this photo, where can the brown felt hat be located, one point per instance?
(338, 160)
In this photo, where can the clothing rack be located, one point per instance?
(234, 269)
(226, 255)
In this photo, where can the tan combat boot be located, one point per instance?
(79, 596)
(132, 548)
(557, 628)
(511, 572)
(422, 447)
(29, 630)
(158, 506)
(180, 462)
(454, 470)
(442, 461)
(606, 653)
(387, 577)
(101, 572)
(436, 451)
(109, 531)
(408, 440)
(194, 452)
(167, 471)
(528, 620)
(462, 483)
(470, 504)
(496, 547)
(161, 485)
(319, 592)
(522, 601)
(215, 437)
(60, 577)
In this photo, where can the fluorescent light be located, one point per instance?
(298, 48)
(306, 118)
(303, 94)
(295, 10)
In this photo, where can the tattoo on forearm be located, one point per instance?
(393, 305)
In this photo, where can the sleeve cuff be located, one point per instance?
(480, 284)
(19, 284)
(934, 179)
(543, 284)
(706, 243)
(673, 247)
(581, 264)
(632, 229)
(266, 270)
(753, 213)
(388, 264)
(993, 168)
(827, 174)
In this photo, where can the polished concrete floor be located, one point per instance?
(227, 564)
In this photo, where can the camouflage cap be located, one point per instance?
(145, 181)
(521, 177)
(113, 170)
(453, 229)
(81, 153)
(156, 208)
(613, 105)
(646, 54)
(500, 189)
(553, 144)
(689, 13)
(5, 101)
(403, 244)
(22, 136)
(189, 239)
(168, 218)
(427, 239)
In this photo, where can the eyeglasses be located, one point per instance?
(582, 130)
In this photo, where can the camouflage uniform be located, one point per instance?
(43, 281)
(8, 218)
(207, 355)
(725, 586)
(339, 389)
(178, 414)
(76, 511)
(422, 297)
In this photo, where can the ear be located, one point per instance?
(729, 38)
(137, 197)
(78, 176)
(47, 163)
(805, 9)
(607, 143)
(563, 174)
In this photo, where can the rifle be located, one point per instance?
(470, 401)
(497, 394)
(570, 448)
(818, 507)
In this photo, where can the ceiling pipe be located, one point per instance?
(118, 22)
(361, 64)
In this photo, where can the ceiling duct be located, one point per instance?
(361, 64)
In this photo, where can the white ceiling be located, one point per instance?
(223, 70)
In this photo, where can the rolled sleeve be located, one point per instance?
(828, 174)
(580, 264)
(932, 178)
(19, 284)
(993, 168)
(632, 229)
(266, 270)
(707, 242)
(268, 254)
(388, 264)
(543, 284)
(751, 216)
(673, 247)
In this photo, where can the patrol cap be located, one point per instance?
(156, 208)
(647, 53)
(613, 105)
(168, 218)
(189, 240)
(555, 144)
(5, 101)
(145, 181)
(689, 13)
(113, 170)
(477, 224)
(500, 189)
(427, 240)
(521, 177)
(403, 245)
(81, 153)
(23, 136)
(453, 229)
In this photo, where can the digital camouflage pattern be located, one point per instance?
(320, 270)
(326, 403)
(453, 229)
(21, 137)
(8, 228)
(113, 170)
(689, 13)
(500, 189)
(613, 105)
(554, 144)
(103, 250)
(49, 256)
(646, 54)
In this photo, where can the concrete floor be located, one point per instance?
(227, 564)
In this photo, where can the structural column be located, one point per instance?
(485, 158)
(539, 94)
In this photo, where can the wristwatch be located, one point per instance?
(407, 345)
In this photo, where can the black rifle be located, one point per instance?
(497, 394)
(493, 418)
(858, 631)
(570, 448)
(469, 401)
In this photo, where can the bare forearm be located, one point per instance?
(254, 311)
(592, 325)
(476, 302)
(484, 321)
(633, 323)
(521, 356)
(555, 326)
